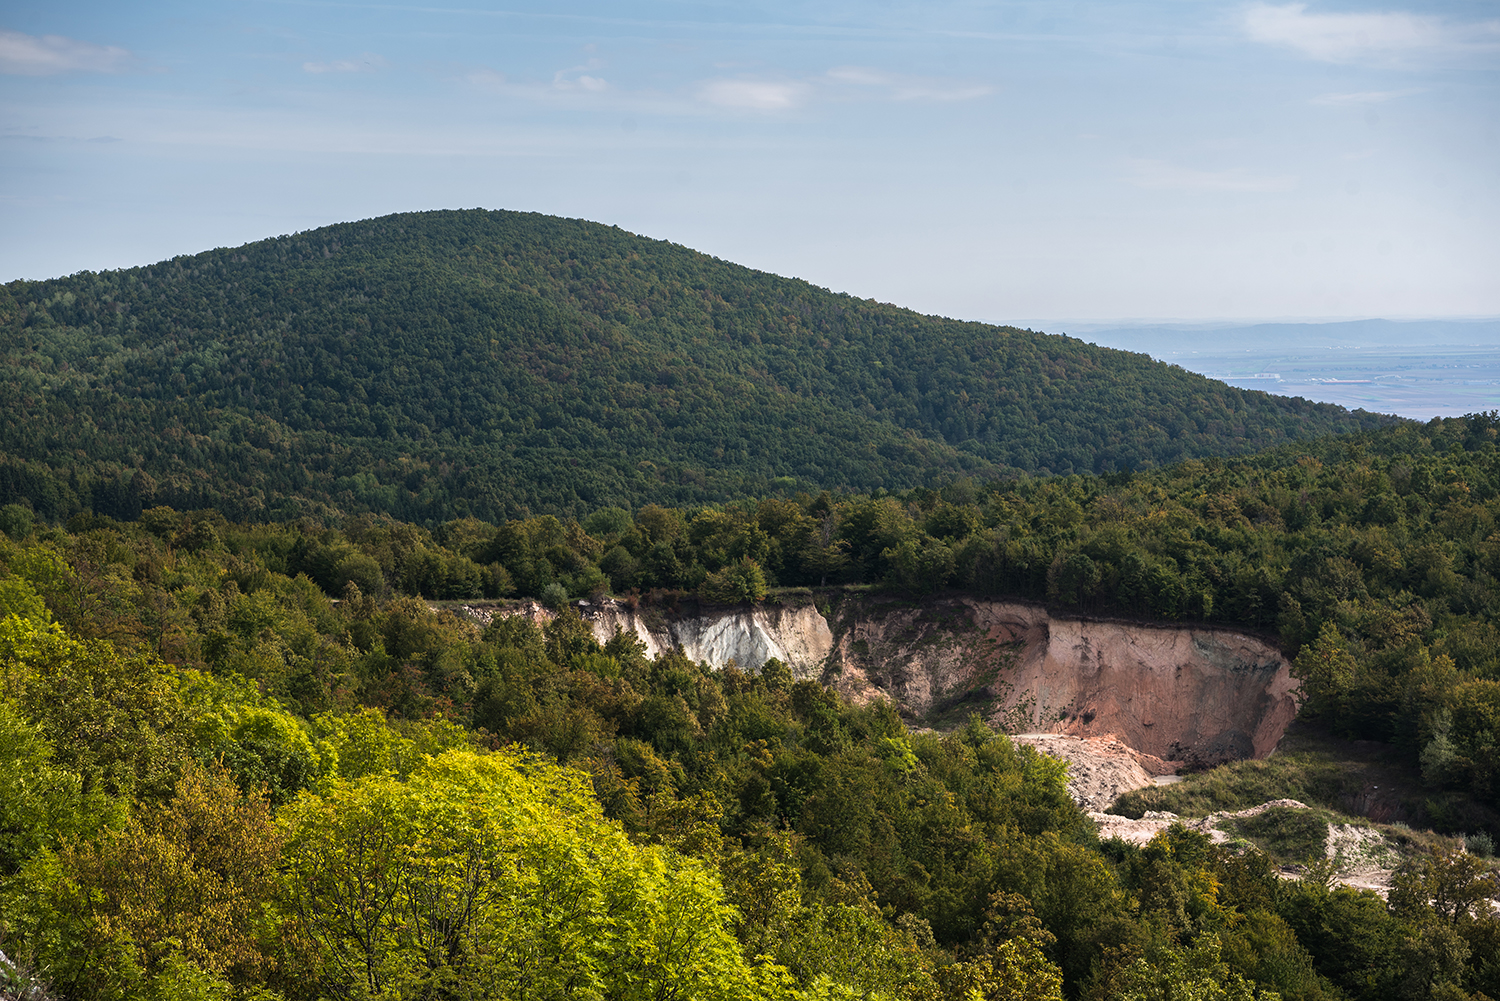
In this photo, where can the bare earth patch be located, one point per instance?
(1363, 858)
(1155, 821)
(1099, 768)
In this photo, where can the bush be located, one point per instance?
(554, 596)
(16, 521)
(739, 582)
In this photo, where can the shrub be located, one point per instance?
(739, 582)
(554, 596)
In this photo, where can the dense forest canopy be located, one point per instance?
(497, 364)
(225, 784)
(1372, 558)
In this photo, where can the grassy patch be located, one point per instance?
(1356, 778)
(979, 693)
(1287, 834)
(952, 709)
(1240, 785)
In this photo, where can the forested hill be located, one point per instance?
(497, 363)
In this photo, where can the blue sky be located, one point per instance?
(1017, 161)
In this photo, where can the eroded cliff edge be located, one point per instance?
(1185, 693)
(1182, 693)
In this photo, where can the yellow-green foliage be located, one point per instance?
(497, 876)
(40, 803)
(115, 719)
(263, 744)
(1195, 974)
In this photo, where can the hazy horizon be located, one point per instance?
(1421, 369)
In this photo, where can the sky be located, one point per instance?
(1016, 162)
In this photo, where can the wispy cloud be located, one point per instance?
(567, 84)
(908, 88)
(581, 78)
(1361, 97)
(486, 78)
(1351, 37)
(366, 62)
(837, 83)
(59, 139)
(584, 82)
(46, 55)
(754, 95)
(1162, 175)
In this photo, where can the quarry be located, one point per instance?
(1149, 698)
(1126, 704)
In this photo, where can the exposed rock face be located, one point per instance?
(797, 635)
(1181, 693)
(1192, 694)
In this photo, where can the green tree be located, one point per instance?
(117, 720)
(178, 890)
(1016, 969)
(497, 876)
(1196, 974)
(40, 804)
(1327, 670)
(740, 582)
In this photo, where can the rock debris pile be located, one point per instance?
(1100, 769)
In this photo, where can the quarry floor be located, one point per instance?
(1101, 768)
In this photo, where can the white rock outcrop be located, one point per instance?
(798, 636)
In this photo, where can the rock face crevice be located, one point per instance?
(1183, 693)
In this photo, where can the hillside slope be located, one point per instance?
(495, 363)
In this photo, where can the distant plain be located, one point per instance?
(1414, 368)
